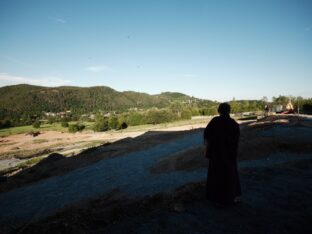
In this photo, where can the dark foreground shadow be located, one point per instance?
(56, 164)
(275, 200)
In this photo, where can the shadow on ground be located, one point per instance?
(57, 164)
(275, 200)
(257, 141)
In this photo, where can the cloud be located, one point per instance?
(50, 81)
(58, 20)
(98, 68)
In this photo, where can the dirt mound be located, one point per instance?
(275, 200)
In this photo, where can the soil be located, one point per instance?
(120, 144)
(275, 200)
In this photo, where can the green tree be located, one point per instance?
(244, 106)
(5, 124)
(36, 124)
(305, 106)
(113, 122)
(159, 116)
(135, 118)
(124, 125)
(186, 114)
(101, 124)
(195, 111)
(64, 124)
(73, 128)
(51, 120)
(235, 108)
(76, 127)
(281, 100)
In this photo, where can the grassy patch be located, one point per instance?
(22, 165)
(165, 125)
(44, 127)
(29, 163)
(58, 127)
(16, 130)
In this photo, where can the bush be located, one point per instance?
(159, 116)
(64, 124)
(101, 124)
(124, 125)
(5, 124)
(135, 118)
(51, 120)
(209, 111)
(113, 123)
(36, 124)
(186, 114)
(307, 107)
(76, 127)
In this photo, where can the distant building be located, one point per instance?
(280, 109)
(277, 108)
(289, 106)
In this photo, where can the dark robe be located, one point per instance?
(221, 136)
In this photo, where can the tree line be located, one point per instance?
(175, 110)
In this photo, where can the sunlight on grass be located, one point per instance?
(57, 127)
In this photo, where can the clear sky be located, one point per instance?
(208, 49)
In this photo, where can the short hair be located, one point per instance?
(224, 109)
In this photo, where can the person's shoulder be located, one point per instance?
(212, 122)
(234, 121)
(215, 119)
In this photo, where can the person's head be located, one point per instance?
(224, 109)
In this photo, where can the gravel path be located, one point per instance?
(129, 173)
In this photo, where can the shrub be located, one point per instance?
(186, 114)
(159, 116)
(101, 124)
(51, 120)
(113, 123)
(124, 125)
(135, 118)
(81, 127)
(73, 128)
(64, 124)
(36, 124)
(76, 127)
(307, 108)
(5, 124)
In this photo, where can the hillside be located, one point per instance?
(20, 99)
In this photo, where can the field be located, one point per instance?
(18, 147)
(44, 127)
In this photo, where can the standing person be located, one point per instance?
(221, 139)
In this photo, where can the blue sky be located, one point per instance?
(208, 49)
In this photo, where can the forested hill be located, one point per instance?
(29, 99)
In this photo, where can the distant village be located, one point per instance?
(268, 110)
